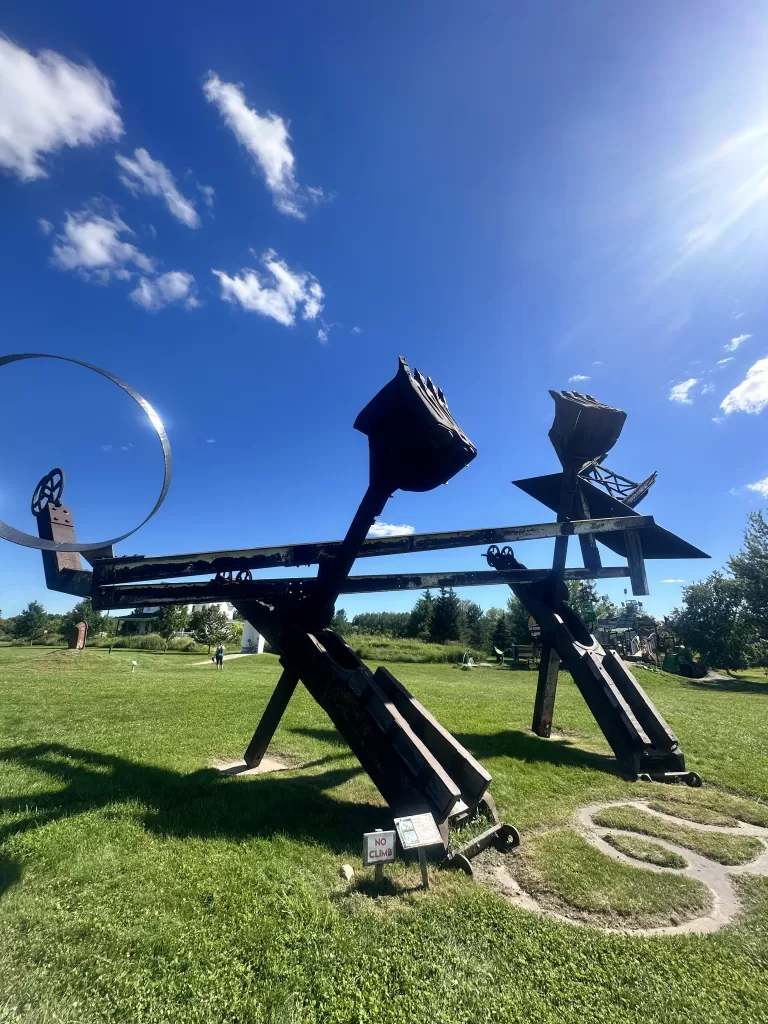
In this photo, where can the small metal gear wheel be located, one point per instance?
(48, 491)
(224, 577)
(244, 576)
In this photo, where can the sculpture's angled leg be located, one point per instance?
(270, 720)
(546, 691)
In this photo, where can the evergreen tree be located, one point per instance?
(447, 620)
(340, 622)
(501, 638)
(420, 619)
(517, 622)
(476, 626)
(750, 569)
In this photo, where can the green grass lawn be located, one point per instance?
(138, 885)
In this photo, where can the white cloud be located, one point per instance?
(759, 487)
(279, 293)
(717, 419)
(48, 102)
(210, 440)
(208, 193)
(322, 335)
(736, 316)
(357, 330)
(734, 343)
(707, 389)
(143, 174)
(106, 447)
(177, 286)
(90, 244)
(45, 225)
(680, 392)
(752, 394)
(388, 530)
(598, 362)
(577, 377)
(722, 362)
(673, 581)
(266, 139)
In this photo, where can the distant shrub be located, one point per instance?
(183, 643)
(379, 648)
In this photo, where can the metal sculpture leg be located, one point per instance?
(270, 720)
(546, 691)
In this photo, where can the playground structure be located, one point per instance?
(414, 444)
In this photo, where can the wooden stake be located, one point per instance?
(423, 866)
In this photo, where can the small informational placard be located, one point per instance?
(417, 830)
(378, 848)
(533, 627)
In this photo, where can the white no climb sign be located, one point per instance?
(378, 848)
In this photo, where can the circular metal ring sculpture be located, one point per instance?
(223, 577)
(8, 532)
(48, 491)
(244, 576)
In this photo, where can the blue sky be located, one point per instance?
(249, 212)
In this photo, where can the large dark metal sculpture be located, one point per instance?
(415, 444)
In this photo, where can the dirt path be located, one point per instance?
(717, 877)
(227, 657)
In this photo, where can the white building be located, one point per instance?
(141, 620)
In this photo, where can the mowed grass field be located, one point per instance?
(139, 885)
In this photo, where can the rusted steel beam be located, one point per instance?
(139, 568)
(271, 590)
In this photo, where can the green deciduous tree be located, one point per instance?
(31, 623)
(715, 621)
(210, 626)
(170, 620)
(83, 612)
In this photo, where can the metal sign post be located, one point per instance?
(416, 832)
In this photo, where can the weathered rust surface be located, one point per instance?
(77, 636)
(139, 568)
(279, 590)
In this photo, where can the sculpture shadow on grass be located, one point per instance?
(204, 804)
(733, 685)
(514, 743)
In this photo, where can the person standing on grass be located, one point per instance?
(219, 657)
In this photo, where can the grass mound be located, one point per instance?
(645, 849)
(724, 849)
(562, 868)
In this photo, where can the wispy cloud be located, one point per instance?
(388, 530)
(597, 362)
(681, 392)
(673, 581)
(48, 102)
(106, 447)
(759, 487)
(90, 245)
(278, 292)
(723, 362)
(357, 330)
(322, 335)
(208, 193)
(751, 395)
(45, 226)
(734, 343)
(175, 287)
(151, 177)
(577, 377)
(210, 440)
(707, 389)
(267, 140)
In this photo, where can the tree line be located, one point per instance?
(208, 626)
